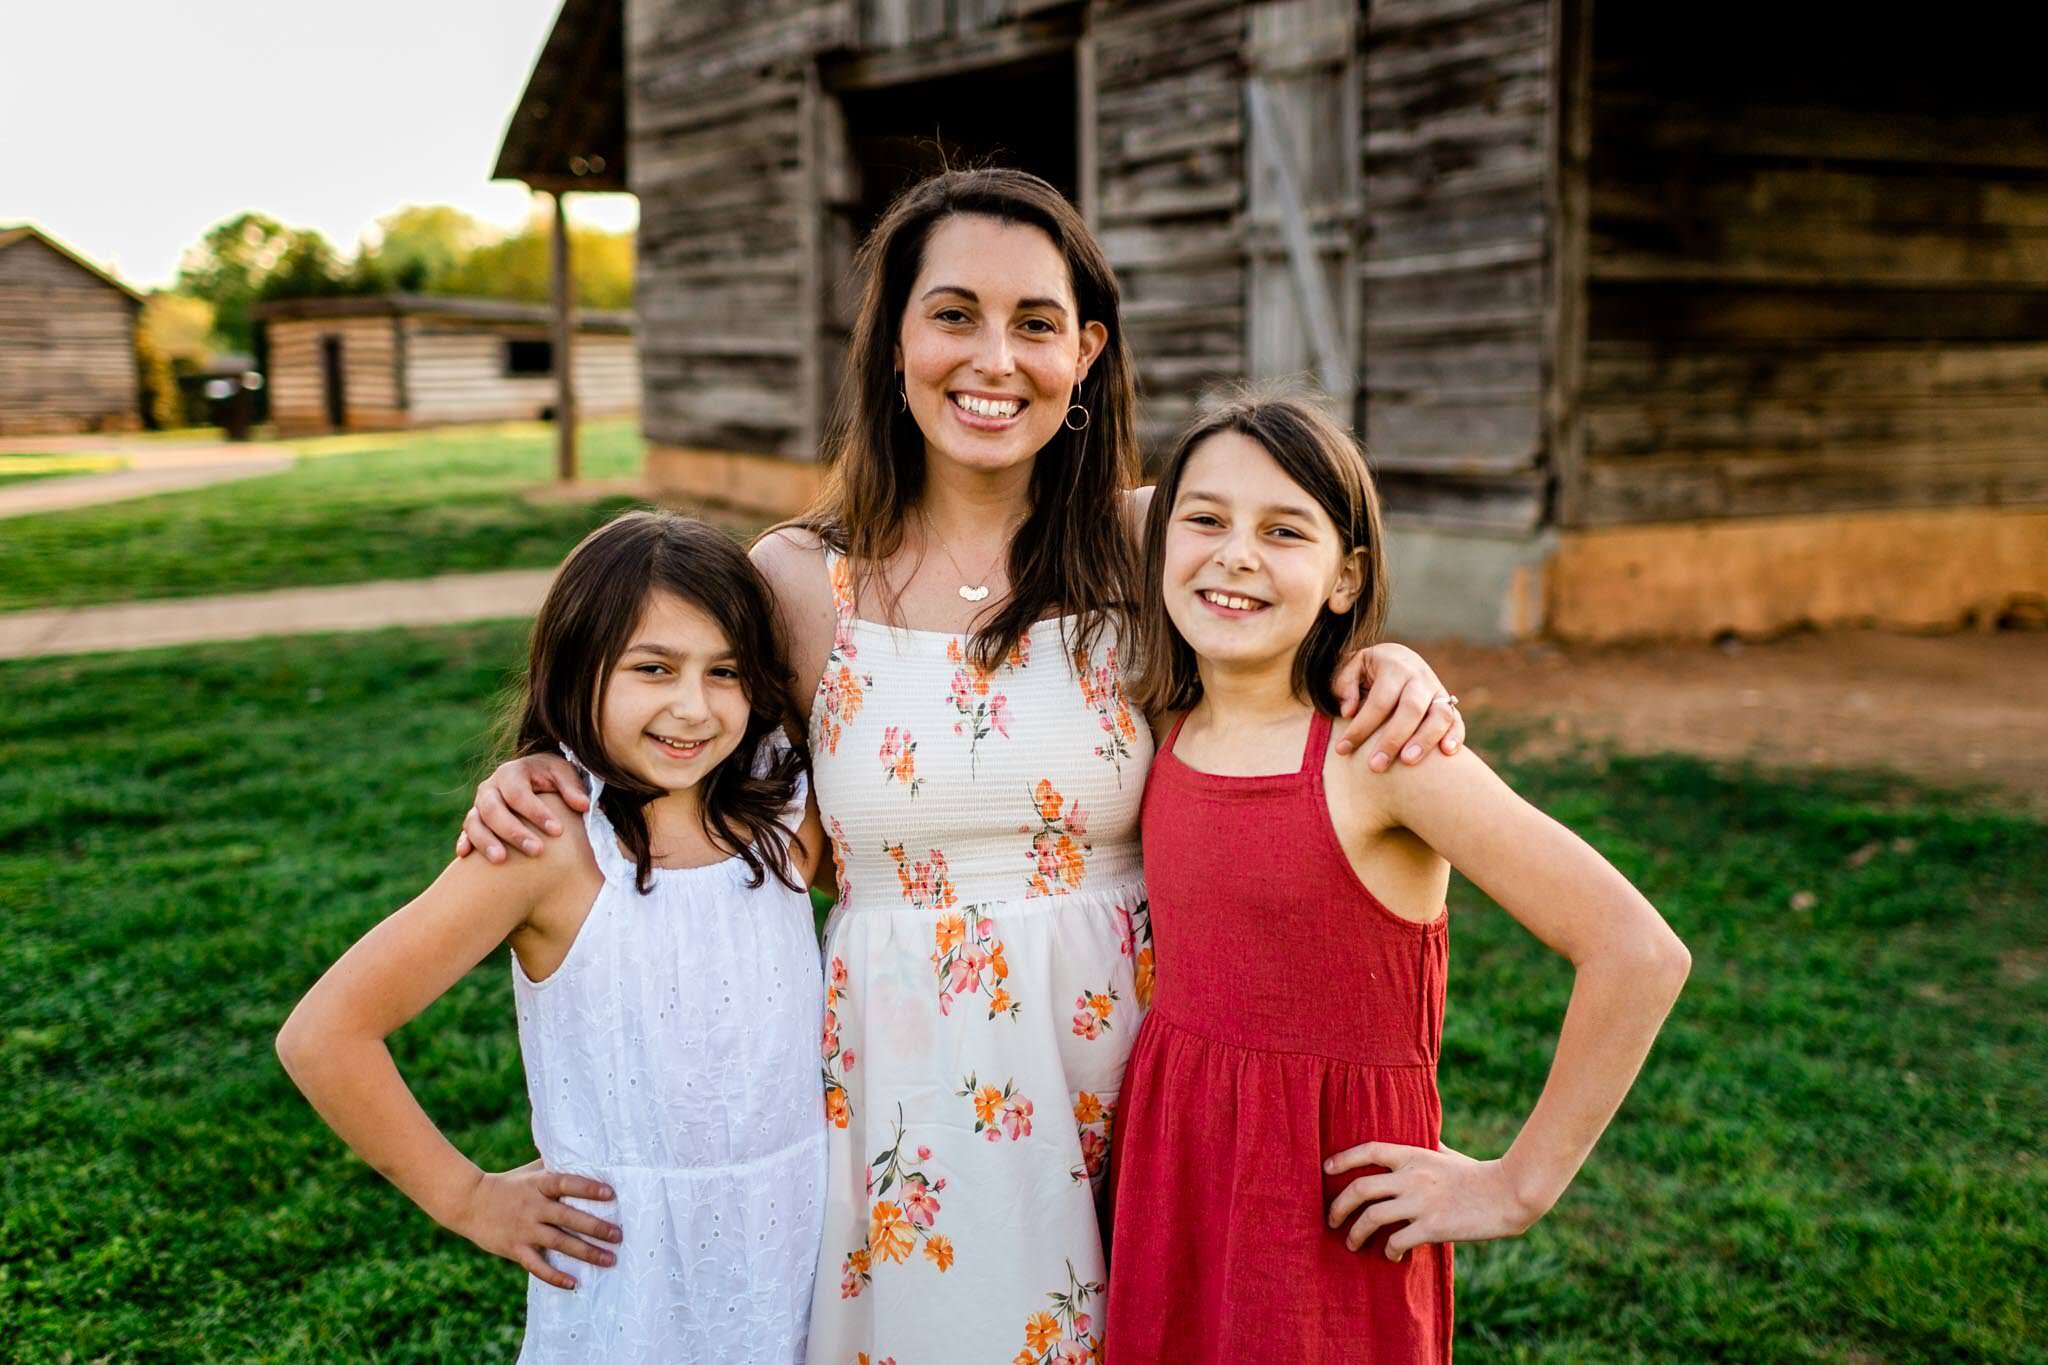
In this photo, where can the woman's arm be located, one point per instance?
(333, 1048)
(1629, 970)
(1396, 705)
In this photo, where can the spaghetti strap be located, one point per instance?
(839, 573)
(1318, 744)
(1174, 733)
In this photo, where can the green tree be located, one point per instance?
(171, 339)
(516, 267)
(419, 247)
(309, 268)
(228, 265)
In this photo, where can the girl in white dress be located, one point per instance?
(665, 968)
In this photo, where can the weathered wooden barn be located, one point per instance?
(67, 340)
(1658, 320)
(410, 360)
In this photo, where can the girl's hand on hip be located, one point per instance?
(508, 810)
(518, 1214)
(1396, 705)
(1440, 1196)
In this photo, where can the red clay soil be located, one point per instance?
(1963, 710)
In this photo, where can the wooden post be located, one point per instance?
(563, 286)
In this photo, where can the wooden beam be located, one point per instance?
(563, 285)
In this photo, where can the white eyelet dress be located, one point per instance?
(986, 970)
(673, 1056)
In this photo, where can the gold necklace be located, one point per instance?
(973, 593)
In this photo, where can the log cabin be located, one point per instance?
(67, 340)
(1657, 321)
(410, 360)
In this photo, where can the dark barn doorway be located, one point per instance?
(334, 382)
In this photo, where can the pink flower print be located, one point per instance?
(899, 759)
(1092, 1011)
(1016, 1118)
(1059, 843)
(918, 1204)
(1094, 1150)
(1086, 1025)
(1102, 689)
(967, 959)
(982, 708)
(998, 1113)
(924, 1153)
(846, 1059)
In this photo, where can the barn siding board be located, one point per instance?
(1831, 302)
(719, 160)
(1168, 205)
(67, 345)
(1458, 105)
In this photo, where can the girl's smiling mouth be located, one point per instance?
(675, 748)
(1230, 604)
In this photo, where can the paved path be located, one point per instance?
(155, 467)
(448, 600)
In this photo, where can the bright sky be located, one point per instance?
(129, 127)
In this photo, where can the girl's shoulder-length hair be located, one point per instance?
(1329, 464)
(584, 628)
(1074, 554)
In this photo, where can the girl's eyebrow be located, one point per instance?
(1279, 509)
(1045, 305)
(671, 652)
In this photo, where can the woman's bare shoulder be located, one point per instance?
(792, 559)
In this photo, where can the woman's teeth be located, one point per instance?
(987, 407)
(1224, 599)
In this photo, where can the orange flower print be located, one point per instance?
(926, 885)
(1102, 688)
(1092, 1117)
(1091, 1012)
(1134, 940)
(1059, 843)
(967, 957)
(899, 759)
(841, 690)
(897, 1226)
(997, 1113)
(1066, 1334)
(983, 709)
(861, 1358)
(841, 853)
(838, 1058)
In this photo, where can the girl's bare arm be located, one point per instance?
(333, 1048)
(1629, 970)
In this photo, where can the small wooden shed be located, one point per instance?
(409, 360)
(1658, 320)
(67, 340)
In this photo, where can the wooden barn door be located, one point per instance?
(334, 382)
(1303, 168)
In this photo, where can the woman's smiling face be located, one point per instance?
(991, 345)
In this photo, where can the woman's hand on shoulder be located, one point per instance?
(510, 808)
(1395, 705)
(1435, 1195)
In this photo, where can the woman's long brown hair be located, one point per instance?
(1073, 554)
(582, 631)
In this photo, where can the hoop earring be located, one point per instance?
(902, 394)
(1069, 423)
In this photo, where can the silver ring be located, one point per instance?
(1446, 698)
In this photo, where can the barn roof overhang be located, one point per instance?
(10, 236)
(568, 131)
(451, 308)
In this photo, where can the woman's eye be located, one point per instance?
(649, 670)
(1042, 326)
(728, 673)
(950, 315)
(1202, 519)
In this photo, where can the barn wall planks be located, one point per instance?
(717, 102)
(1459, 102)
(67, 345)
(457, 374)
(1168, 180)
(1823, 290)
(297, 373)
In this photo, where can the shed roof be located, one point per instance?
(10, 236)
(451, 307)
(568, 131)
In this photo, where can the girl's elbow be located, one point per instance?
(1666, 960)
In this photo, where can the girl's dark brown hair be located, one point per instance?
(583, 630)
(1073, 553)
(1330, 465)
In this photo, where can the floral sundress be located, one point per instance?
(986, 967)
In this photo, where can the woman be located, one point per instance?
(955, 607)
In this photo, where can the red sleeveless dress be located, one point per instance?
(1293, 1016)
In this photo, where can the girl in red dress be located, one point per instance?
(1281, 1190)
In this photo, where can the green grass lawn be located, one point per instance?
(405, 505)
(1832, 1155)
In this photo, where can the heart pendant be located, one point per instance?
(974, 594)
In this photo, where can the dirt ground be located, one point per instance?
(1964, 710)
